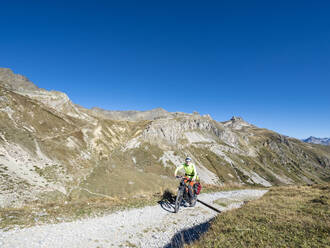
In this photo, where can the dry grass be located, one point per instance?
(208, 188)
(36, 214)
(291, 216)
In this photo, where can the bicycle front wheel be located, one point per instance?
(178, 200)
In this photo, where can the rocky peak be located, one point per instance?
(172, 130)
(315, 140)
(159, 110)
(56, 100)
(131, 115)
(15, 82)
(236, 123)
(236, 118)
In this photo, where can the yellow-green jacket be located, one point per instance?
(190, 170)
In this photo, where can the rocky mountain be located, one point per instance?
(54, 150)
(16, 82)
(320, 141)
(131, 115)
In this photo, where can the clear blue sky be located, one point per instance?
(267, 61)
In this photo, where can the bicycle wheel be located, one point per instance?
(178, 200)
(193, 201)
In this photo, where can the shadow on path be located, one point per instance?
(168, 201)
(187, 236)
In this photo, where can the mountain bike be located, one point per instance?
(184, 195)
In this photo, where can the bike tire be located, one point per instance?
(178, 201)
(193, 202)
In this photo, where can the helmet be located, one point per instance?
(188, 159)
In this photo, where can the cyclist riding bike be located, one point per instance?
(190, 172)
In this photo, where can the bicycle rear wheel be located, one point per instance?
(178, 200)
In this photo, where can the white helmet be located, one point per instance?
(188, 159)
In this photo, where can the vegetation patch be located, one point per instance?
(224, 202)
(290, 216)
(209, 188)
(56, 212)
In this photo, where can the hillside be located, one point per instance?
(287, 216)
(54, 150)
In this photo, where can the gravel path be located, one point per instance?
(153, 226)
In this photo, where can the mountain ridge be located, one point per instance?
(315, 140)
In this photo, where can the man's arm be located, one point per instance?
(177, 169)
(195, 174)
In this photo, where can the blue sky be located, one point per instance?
(267, 61)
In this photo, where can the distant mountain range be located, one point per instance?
(319, 141)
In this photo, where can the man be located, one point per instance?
(190, 171)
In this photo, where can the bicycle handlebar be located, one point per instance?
(180, 177)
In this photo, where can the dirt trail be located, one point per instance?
(152, 226)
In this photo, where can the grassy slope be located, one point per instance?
(295, 216)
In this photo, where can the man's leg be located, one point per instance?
(191, 193)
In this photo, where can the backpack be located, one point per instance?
(197, 188)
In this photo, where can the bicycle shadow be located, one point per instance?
(168, 201)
